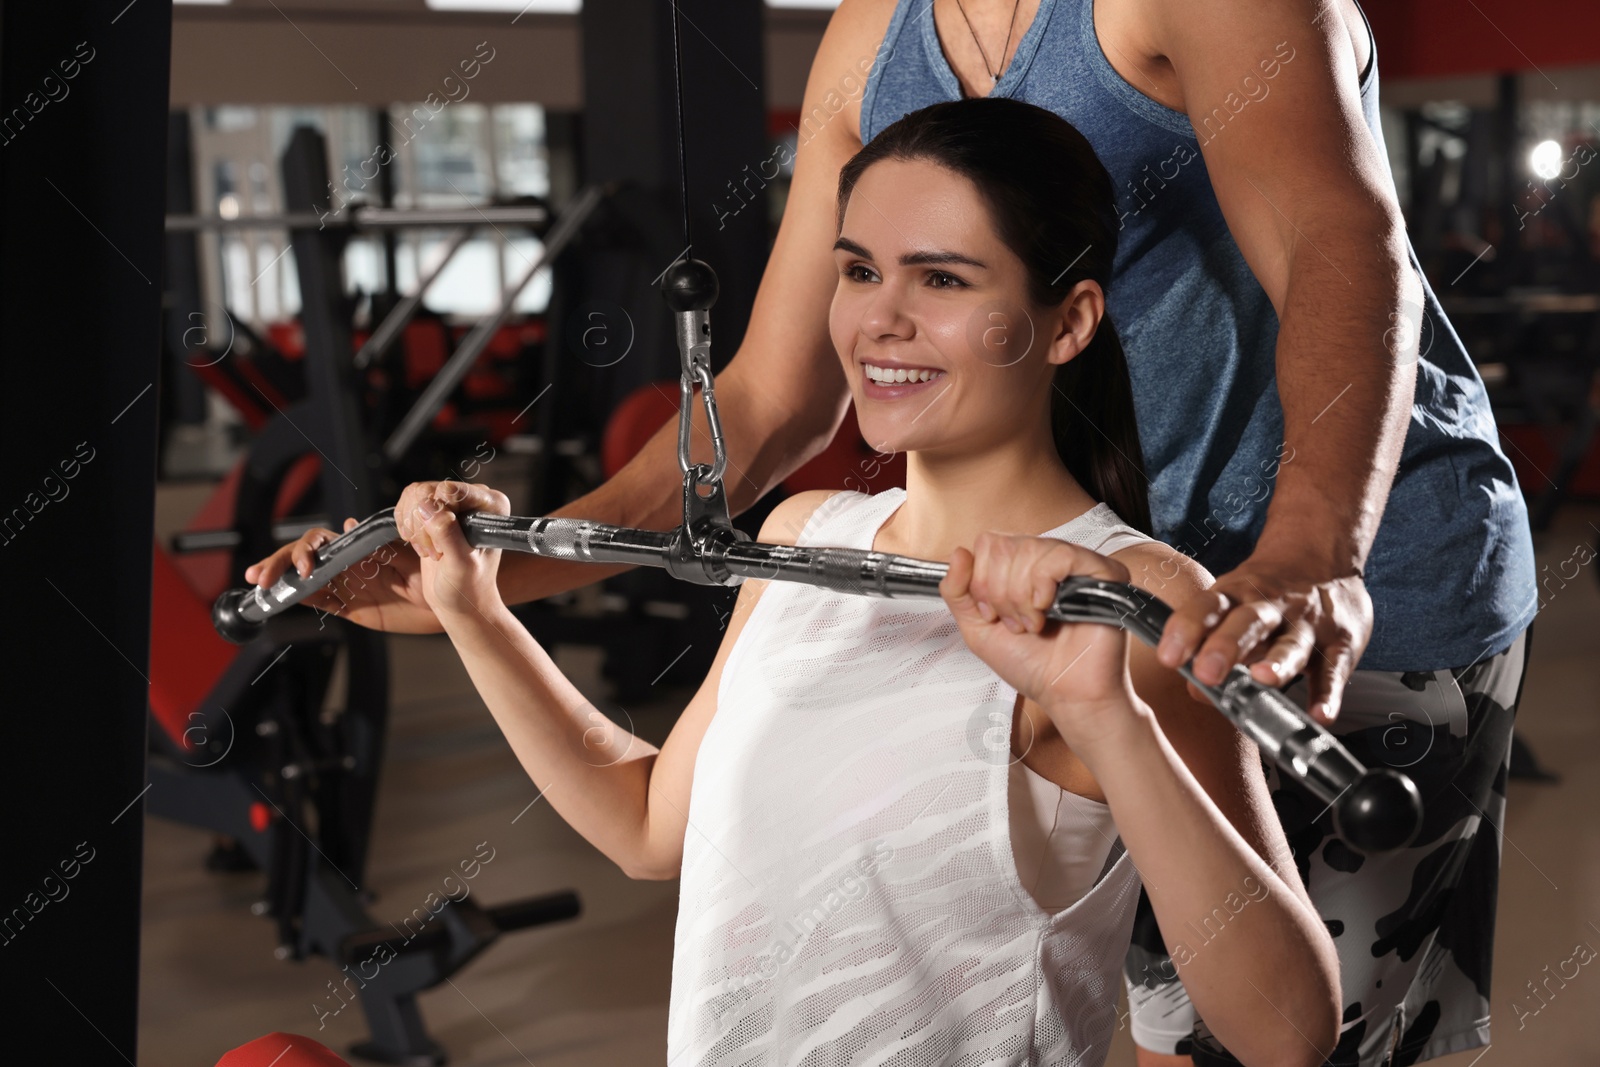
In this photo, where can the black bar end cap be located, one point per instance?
(229, 622)
(1380, 812)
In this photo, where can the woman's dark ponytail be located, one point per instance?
(1049, 196)
(1101, 450)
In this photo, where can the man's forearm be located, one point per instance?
(1346, 368)
(764, 445)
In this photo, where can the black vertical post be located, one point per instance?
(83, 126)
(630, 134)
(1511, 191)
(187, 325)
(384, 121)
(354, 484)
(1414, 180)
(725, 120)
(350, 465)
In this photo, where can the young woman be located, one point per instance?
(914, 832)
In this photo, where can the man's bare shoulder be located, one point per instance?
(848, 52)
(862, 21)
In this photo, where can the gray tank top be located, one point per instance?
(1451, 573)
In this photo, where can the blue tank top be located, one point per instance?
(1451, 571)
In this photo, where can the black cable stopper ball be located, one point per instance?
(689, 285)
(1381, 812)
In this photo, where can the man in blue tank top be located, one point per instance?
(1294, 380)
(1315, 433)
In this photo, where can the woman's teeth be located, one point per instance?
(895, 375)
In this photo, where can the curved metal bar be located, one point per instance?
(1373, 810)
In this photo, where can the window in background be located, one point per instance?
(519, 150)
(450, 153)
(469, 286)
(460, 156)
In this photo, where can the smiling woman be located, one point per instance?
(1023, 240)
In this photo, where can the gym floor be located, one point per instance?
(593, 991)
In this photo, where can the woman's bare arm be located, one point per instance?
(1225, 762)
(625, 796)
(1255, 958)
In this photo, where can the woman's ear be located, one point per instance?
(1075, 320)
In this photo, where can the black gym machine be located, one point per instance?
(296, 786)
(262, 762)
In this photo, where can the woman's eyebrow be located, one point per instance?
(912, 259)
(844, 244)
(920, 259)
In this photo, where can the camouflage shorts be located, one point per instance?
(1414, 928)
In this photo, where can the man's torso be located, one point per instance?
(1212, 428)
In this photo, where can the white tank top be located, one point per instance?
(850, 892)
